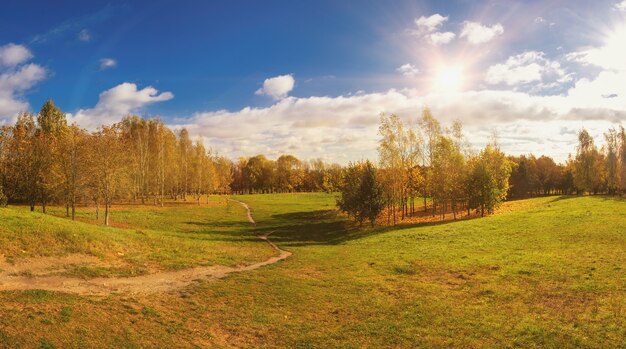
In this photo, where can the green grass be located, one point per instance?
(146, 237)
(546, 273)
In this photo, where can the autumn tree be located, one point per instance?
(586, 175)
(255, 173)
(431, 131)
(611, 149)
(289, 173)
(110, 158)
(52, 125)
(487, 182)
(448, 168)
(622, 160)
(184, 154)
(399, 153)
(72, 158)
(547, 174)
(22, 161)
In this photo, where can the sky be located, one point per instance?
(311, 78)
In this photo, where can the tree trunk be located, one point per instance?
(454, 208)
(106, 213)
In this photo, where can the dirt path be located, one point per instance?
(12, 276)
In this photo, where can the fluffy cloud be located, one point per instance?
(16, 77)
(84, 35)
(441, 38)
(477, 33)
(408, 70)
(344, 128)
(621, 6)
(530, 66)
(12, 55)
(107, 63)
(277, 87)
(118, 102)
(426, 29)
(430, 24)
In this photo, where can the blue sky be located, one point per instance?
(310, 78)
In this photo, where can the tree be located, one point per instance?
(399, 151)
(73, 161)
(622, 160)
(48, 137)
(184, 154)
(431, 130)
(585, 177)
(448, 167)
(289, 174)
(524, 176)
(488, 179)
(110, 158)
(23, 165)
(257, 173)
(361, 192)
(547, 174)
(612, 161)
(370, 194)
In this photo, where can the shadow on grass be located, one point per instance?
(601, 197)
(324, 227)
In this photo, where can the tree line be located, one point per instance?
(258, 174)
(435, 165)
(44, 161)
(423, 167)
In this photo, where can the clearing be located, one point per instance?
(545, 272)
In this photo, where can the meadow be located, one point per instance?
(546, 272)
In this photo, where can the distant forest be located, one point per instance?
(44, 161)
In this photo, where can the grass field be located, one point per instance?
(143, 238)
(544, 273)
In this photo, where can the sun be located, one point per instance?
(448, 79)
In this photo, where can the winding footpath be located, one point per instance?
(12, 278)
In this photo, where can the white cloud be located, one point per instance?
(118, 102)
(621, 6)
(12, 55)
(344, 128)
(430, 24)
(477, 33)
(408, 70)
(277, 87)
(527, 67)
(84, 35)
(441, 38)
(16, 77)
(107, 63)
(427, 30)
(612, 55)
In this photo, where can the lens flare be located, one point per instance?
(449, 79)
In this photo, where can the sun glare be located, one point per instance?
(449, 79)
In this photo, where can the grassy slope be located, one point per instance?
(159, 238)
(550, 273)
